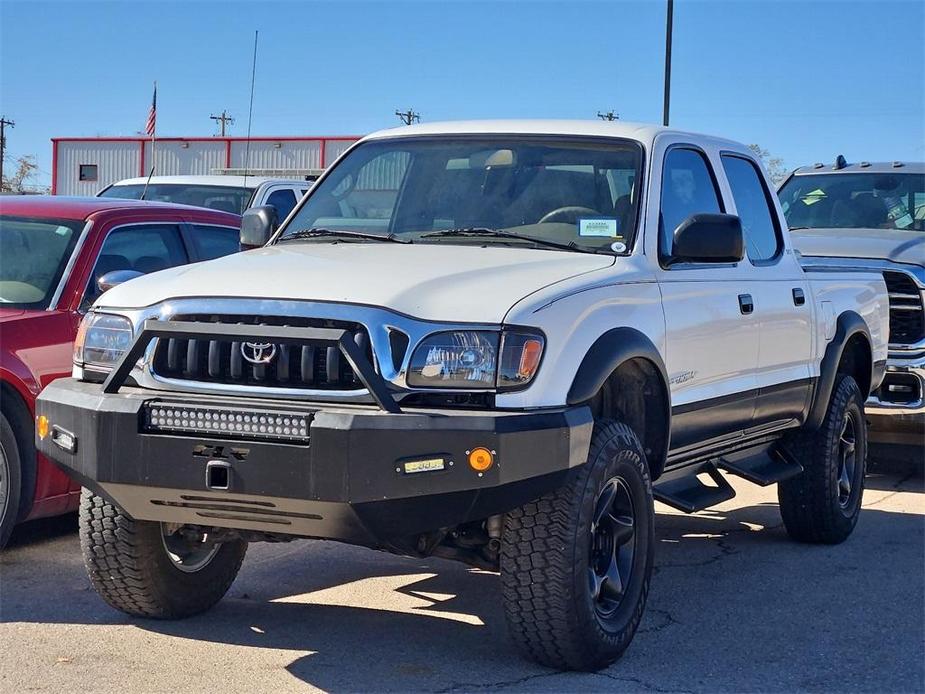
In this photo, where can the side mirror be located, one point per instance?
(708, 238)
(258, 224)
(116, 277)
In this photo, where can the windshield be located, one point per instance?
(855, 201)
(224, 198)
(33, 255)
(578, 193)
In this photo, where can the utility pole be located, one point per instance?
(668, 61)
(608, 115)
(224, 118)
(3, 123)
(408, 117)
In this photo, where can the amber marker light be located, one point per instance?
(530, 359)
(42, 426)
(480, 459)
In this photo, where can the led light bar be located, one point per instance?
(223, 422)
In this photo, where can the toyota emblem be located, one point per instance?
(258, 352)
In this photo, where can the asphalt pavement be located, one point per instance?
(734, 606)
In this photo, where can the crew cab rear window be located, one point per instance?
(760, 229)
(214, 241)
(688, 187)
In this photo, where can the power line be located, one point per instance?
(223, 118)
(3, 123)
(408, 117)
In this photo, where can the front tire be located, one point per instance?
(576, 563)
(10, 480)
(822, 504)
(143, 569)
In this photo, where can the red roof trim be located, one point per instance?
(297, 138)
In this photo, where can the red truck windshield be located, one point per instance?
(33, 256)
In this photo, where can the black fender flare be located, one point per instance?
(609, 351)
(847, 326)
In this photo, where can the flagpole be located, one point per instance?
(153, 144)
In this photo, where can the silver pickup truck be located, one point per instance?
(872, 216)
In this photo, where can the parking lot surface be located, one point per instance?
(734, 606)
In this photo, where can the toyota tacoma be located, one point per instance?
(496, 342)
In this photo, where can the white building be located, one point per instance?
(85, 165)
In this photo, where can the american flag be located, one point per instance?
(152, 115)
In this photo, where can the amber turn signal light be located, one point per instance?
(480, 459)
(530, 359)
(42, 427)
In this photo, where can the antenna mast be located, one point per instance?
(250, 116)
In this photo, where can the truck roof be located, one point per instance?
(60, 207)
(910, 167)
(229, 181)
(642, 132)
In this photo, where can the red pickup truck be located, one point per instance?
(57, 255)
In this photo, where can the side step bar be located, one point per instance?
(683, 490)
(762, 468)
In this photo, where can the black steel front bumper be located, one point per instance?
(346, 482)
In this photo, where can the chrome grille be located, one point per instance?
(907, 317)
(293, 365)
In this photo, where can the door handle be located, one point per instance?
(746, 305)
(799, 298)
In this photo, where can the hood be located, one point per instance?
(876, 244)
(443, 282)
(9, 313)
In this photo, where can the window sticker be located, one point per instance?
(813, 197)
(597, 227)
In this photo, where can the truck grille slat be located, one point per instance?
(307, 367)
(289, 365)
(907, 316)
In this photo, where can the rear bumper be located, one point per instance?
(896, 411)
(346, 482)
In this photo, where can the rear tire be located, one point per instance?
(822, 504)
(131, 568)
(576, 563)
(10, 480)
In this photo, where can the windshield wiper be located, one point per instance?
(498, 233)
(318, 232)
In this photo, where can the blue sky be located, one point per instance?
(806, 80)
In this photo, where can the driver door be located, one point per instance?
(711, 329)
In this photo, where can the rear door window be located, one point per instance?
(760, 229)
(214, 241)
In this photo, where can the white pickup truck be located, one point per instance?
(496, 342)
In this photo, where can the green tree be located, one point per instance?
(774, 165)
(25, 168)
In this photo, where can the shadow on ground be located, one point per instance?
(734, 606)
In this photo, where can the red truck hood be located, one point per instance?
(8, 314)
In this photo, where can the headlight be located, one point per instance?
(476, 360)
(102, 339)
